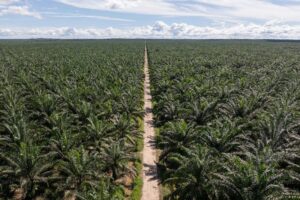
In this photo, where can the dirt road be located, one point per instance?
(150, 179)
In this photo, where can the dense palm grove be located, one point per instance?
(228, 115)
(69, 118)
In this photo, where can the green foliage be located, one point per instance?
(228, 118)
(138, 180)
(69, 117)
(138, 183)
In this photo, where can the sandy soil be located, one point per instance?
(150, 179)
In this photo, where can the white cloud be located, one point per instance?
(256, 9)
(225, 9)
(56, 15)
(17, 7)
(153, 7)
(6, 2)
(19, 10)
(269, 30)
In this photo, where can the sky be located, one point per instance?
(172, 19)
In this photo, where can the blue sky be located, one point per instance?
(278, 19)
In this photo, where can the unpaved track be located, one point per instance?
(150, 179)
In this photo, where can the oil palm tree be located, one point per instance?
(79, 170)
(259, 176)
(199, 176)
(166, 109)
(246, 104)
(27, 168)
(98, 132)
(222, 136)
(176, 137)
(202, 111)
(124, 128)
(116, 157)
